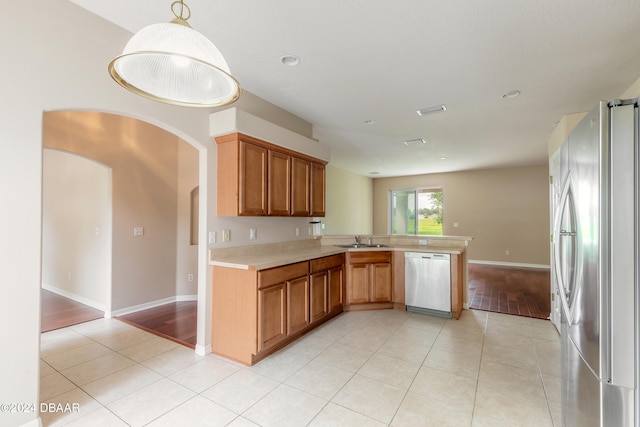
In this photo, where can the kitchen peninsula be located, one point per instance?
(266, 296)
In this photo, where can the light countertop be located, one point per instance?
(271, 259)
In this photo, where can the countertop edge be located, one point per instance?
(246, 262)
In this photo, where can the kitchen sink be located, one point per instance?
(362, 245)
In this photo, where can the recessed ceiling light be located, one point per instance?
(430, 110)
(443, 158)
(374, 173)
(415, 141)
(290, 60)
(369, 122)
(511, 94)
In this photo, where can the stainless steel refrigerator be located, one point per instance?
(595, 267)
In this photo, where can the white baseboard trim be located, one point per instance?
(181, 298)
(75, 297)
(151, 304)
(203, 350)
(509, 264)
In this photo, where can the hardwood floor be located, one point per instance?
(59, 312)
(176, 321)
(510, 290)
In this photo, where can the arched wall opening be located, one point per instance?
(153, 175)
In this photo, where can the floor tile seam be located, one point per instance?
(479, 363)
(140, 362)
(273, 390)
(351, 410)
(75, 386)
(103, 376)
(475, 394)
(92, 355)
(76, 348)
(544, 388)
(518, 391)
(82, 387)
(151, 336)
(164, 413)
(155, 355)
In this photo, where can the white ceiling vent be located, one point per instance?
(431, 110)
(415, 141)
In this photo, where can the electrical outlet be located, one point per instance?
(422, 242)
(212, 237)
(507, 252)
(138, 231)
(253, 233)
(297, 231)
(226, 235)
(190, 277)
(455, 224)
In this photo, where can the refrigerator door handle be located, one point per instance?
(561, 234)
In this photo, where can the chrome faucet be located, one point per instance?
(369, 241)
(357, 240)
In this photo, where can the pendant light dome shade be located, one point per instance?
(174, 64)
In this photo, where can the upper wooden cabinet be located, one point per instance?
(300, 187)
(279, 188)
(257, 178)
(318, 186)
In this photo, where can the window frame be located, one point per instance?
(416, 191)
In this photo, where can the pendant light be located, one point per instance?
(173, 63)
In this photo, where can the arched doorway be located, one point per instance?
(153, 175)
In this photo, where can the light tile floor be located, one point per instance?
(371, 368)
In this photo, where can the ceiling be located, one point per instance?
(381, 60)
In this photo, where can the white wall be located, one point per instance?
(349, 203)
(76, 228)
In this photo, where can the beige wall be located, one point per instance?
(76, 228)
(144, 163)
(186, 253)
(349, 203)
(502, 209)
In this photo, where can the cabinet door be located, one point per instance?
(297, 304)
(319, 304)
(272, 316)
(279, 194)
(381, 288)
(358, 286)
(252, 186)
(336, 281)
(318, 183)
(300, 199)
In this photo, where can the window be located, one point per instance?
(416, 211)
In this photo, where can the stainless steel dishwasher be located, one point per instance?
(428, 283)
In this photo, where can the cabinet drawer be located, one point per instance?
(326, 263)
(277, 275)
(369, 257)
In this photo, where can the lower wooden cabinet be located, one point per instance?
(272, 315)
(297, 304)
(256, 312)
(319, 305)
(370, 278)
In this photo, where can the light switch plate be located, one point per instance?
(212, 237)
(226, 235)
(253, 233)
